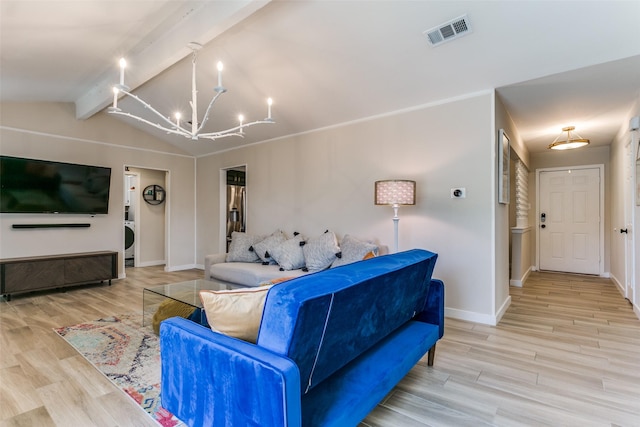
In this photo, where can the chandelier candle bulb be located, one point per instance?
(220, 67)
(241, 118)
(269, 102)
(178, 115)
(123, 64)
(115, 97)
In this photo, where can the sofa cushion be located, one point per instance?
(248, 273)
(326, 319)
(263, 248)
(320, 252)
(239, 249)
(353, 249)
(289, 254)
(235, 312)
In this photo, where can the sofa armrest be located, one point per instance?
(209, 260)
(211, 379)
(433, 310)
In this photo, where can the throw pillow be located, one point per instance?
(353, 250)
(320, 252)
(170, 308)
(263, 249)
(289, 254)
(235, 312)
(239, 249)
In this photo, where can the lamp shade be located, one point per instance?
(395, 192)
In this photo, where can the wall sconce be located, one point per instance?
(395, 192)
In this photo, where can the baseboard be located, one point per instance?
(619, 285)
(503, 309)
(471, 316)
(636, 310)
(181, 267)
(150, 263)
(519, 283)
(199, 266)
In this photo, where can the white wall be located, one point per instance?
(50, 131)
(324, 180)
(623, 188)
(505, 214)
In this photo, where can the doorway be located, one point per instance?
(131, 200)
(234, 205)
(570, 219)
(145, 219)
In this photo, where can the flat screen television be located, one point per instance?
(42, 186)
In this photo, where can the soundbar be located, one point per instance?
(70, 225)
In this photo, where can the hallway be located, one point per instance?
(567, 352)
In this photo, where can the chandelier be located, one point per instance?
(569, 142)
(194, 131)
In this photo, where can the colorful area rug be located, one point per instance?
(128, 355)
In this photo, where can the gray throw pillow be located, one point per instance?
(320, 252)
(239, 249)
(288, 254)
(264, 248)
(353, 249)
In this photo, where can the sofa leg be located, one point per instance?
(431, 355)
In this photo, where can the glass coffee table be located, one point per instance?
(185, 292)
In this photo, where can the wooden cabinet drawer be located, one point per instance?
(27, 276)
(87, 269)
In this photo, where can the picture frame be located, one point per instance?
(503, 152)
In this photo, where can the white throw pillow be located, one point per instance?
(235, 312)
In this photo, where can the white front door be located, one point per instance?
(569, 220)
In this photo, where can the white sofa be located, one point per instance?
(219, 267)
(243, 273)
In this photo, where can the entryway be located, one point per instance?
(570, 219)
(144, 217)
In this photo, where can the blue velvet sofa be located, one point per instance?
(331, 345)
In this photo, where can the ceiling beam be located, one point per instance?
(196, 21)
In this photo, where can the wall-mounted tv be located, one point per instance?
(41, 186)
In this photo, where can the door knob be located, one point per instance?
(624, 230)
(543, 226)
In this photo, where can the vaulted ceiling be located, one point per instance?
(553, 63)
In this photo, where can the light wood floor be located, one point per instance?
(566, 353)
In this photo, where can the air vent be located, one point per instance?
(448, 31)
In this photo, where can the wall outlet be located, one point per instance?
(458, 193)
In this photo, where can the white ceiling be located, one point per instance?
(554, 63)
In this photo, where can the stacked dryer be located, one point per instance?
(129, 239)
(130, 184)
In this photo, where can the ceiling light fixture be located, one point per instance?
(197, 126)
(570, 142)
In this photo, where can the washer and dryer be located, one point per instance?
(129, 239)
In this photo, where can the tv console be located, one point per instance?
(37, 273)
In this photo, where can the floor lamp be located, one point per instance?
(395, 192)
